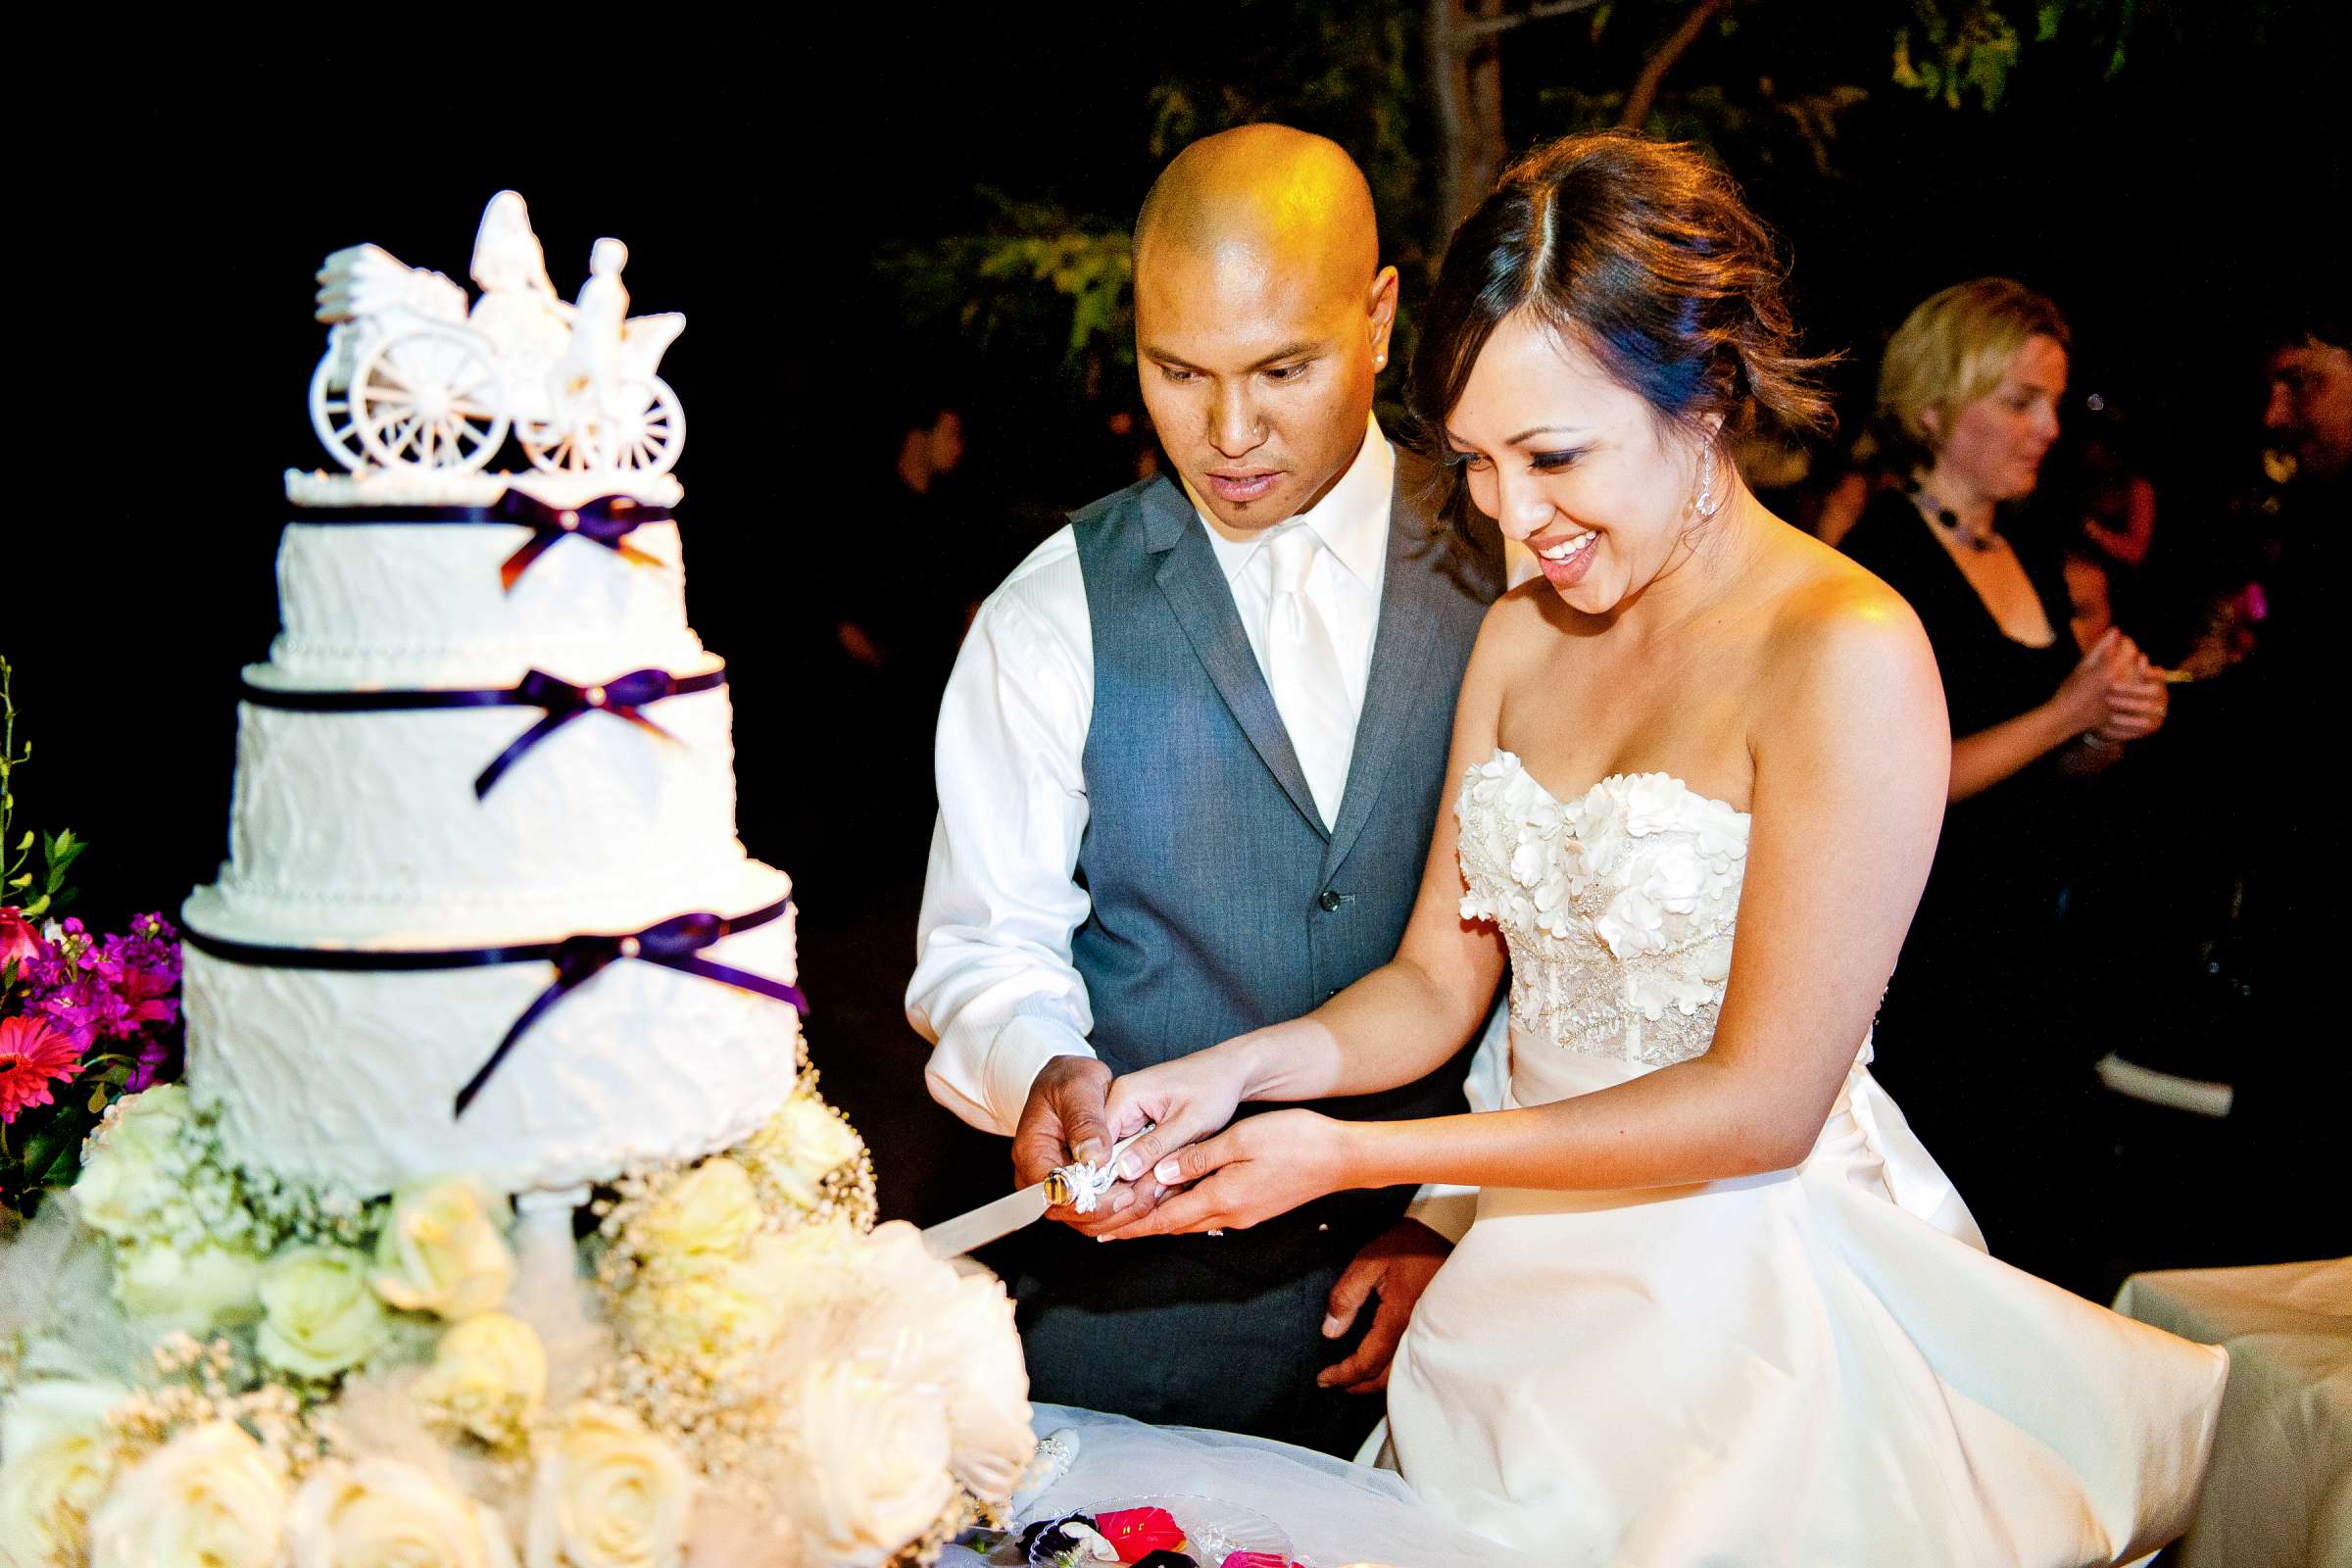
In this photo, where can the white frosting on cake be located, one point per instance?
(344, 825)
(450, 487)
(361, 830)
(348, 1079)
(393, 606)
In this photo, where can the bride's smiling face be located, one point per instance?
(1578, 467)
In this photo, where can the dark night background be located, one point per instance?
(178, 208)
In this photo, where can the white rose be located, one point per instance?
(319, 1315)
(489, 1376)
(955, 1334)
(873, 1465)
(705, 1313)
(380, 1513)
(197, 1289)
(806, 1142)
(131, 1182)
(897, 1269)
(441, 1250)
(989, 1416)
(60, 1456)
(711, 1209)
(609, 1495)
(208, 1498)
(807, 1270)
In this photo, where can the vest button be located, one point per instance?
(1329, 902)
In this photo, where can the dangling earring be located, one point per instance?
(1706, 503)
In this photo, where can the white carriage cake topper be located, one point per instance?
(414, 379)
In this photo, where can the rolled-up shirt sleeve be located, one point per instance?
(993, 988)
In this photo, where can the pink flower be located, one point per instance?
(19, 942)
(32, 1055)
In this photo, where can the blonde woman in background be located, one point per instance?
(1982, 1032)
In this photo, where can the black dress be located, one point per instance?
(1983, 1037)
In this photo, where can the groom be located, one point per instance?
(1188, 764)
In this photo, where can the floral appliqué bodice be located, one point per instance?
(1618, 905)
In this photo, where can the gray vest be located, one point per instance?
(1220, 903)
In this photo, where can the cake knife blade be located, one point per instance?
(953, 1237)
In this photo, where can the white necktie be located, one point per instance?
(1303, 669)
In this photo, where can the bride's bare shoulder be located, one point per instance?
(1837, 632)
(1521, 623)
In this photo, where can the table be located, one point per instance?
(2279, 1487)
(1336, 1513)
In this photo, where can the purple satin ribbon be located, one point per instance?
(623, 696)
(607, 520)
(674, 944)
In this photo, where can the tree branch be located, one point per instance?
(1543, 11)
(1466, 88)
(1645, 91)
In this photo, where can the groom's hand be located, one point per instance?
(1063, 1121)
(1397, 1267)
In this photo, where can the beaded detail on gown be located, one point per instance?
(1816, 1365)
(1618, 904)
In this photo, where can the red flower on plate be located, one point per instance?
(1137, 1532)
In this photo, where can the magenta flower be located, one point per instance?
(33, 1056)
(152, 1054)
(19, 941)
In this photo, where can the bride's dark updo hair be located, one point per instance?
(1644, 254)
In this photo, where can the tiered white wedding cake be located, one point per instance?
(486, 946)
(359, 828)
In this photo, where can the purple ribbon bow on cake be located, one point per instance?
(607, 520)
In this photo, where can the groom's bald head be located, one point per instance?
(1262, 317)
(1268, 189)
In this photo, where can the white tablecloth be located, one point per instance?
(2279, 1487)
(1336, 1513)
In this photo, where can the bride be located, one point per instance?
(1719, 1305)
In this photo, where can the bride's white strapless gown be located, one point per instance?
(1818, 1366)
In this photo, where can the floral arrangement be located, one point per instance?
(83, 1018)
(725, 1363)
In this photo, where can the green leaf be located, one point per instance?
(26, 841)
(61, 1169)
(98, 1100)
(24, 881)
(51, 1145)
(39, 906)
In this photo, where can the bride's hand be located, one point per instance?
(1188, 1099)
(1263, 1167)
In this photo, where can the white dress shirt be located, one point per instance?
(994, 987)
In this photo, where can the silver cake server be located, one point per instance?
(953, 1237)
